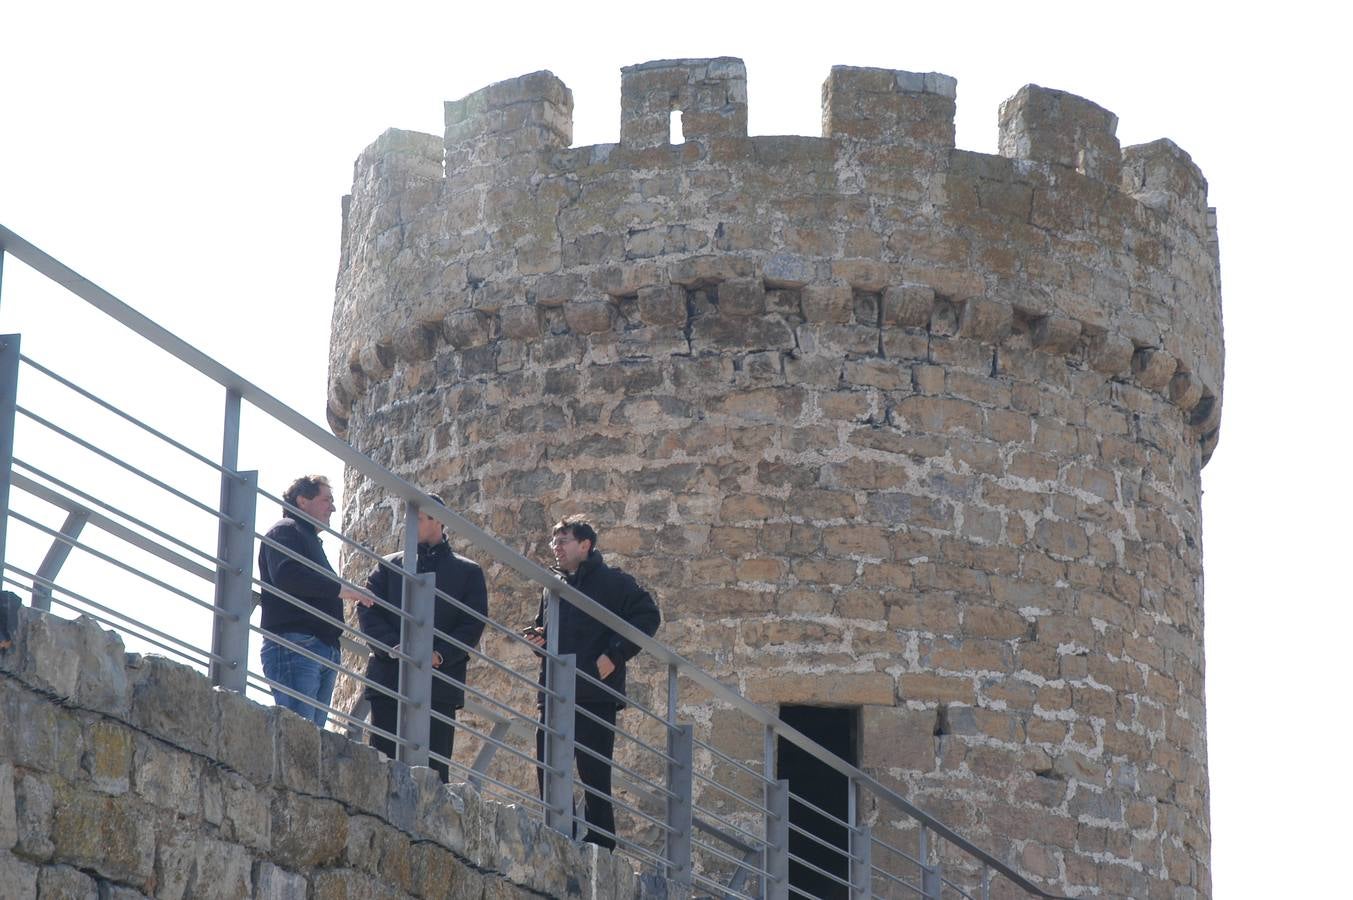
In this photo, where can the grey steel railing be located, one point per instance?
(719, 823)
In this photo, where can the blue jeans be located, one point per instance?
(302, 674)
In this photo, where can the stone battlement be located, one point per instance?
(1063, 242)
(886, 424)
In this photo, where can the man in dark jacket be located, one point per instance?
(292, 618)
(600, 653)
(456, 577)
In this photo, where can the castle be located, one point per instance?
(891, 428)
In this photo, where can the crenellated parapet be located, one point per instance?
(1104, 255)
(883, 106)
(710, 95)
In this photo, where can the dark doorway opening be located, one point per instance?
(834, 728)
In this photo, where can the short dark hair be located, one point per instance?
(577, 526)
(306, 486)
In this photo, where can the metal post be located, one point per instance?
(931, 884)
(934, 882)
(56, 558)
(9, 396)
(673, 694)
(776, 794)
(415, 640)
(680, 809)
(777, 840)
(680, 746)
(861, 846)
(561, 676)
(861, 862)
(235, 546)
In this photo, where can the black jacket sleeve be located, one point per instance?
(376, 621)
(465, 628)
(293, 576)
(637, 608)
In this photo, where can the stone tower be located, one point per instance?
(886, 424)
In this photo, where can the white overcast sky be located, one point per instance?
(191, 159)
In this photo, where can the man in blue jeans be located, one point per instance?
(292, 618)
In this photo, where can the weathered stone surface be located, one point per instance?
(985, 319)
(109, 835)
(589, 316)
(108, 756)
(343, 884)
(787, 270)
(908, 305)
(1111, 354)
(273, 883)
(828, 302)
(353, 773)
(1153, 369)
(897, 737)
(702, 271)
(296, 744)
(190, 864)
(174, 703)
(663, 304)
(131, 813)
(1057, 127)
(9, 823)
(860, 406)
(73, 659)
(18, 876)
(742, 298)
(67, 883)
(247, 813)
(442, 817)
(307, 832)
(834, 689)
(1055, 334)
(39, 735)
(1185, 390)
(167, 777)
(34, 800)
(247, 744)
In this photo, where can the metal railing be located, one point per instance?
(693, 809)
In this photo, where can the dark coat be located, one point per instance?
(456, 577)
(584, 636)
(276, 569)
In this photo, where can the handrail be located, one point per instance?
(500, 552)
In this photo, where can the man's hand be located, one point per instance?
(604, 666)
(535, 635)
(436, 660)
(357, 597)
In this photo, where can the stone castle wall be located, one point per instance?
(883, 423)
(124, 777)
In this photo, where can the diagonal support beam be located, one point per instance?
(56, 557)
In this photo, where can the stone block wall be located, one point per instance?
(126, 777)
(884, 423)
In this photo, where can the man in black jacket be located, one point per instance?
(310, 590)
(456, 577)
(600, 653)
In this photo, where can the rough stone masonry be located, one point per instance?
(886, 424)
(125, 777)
